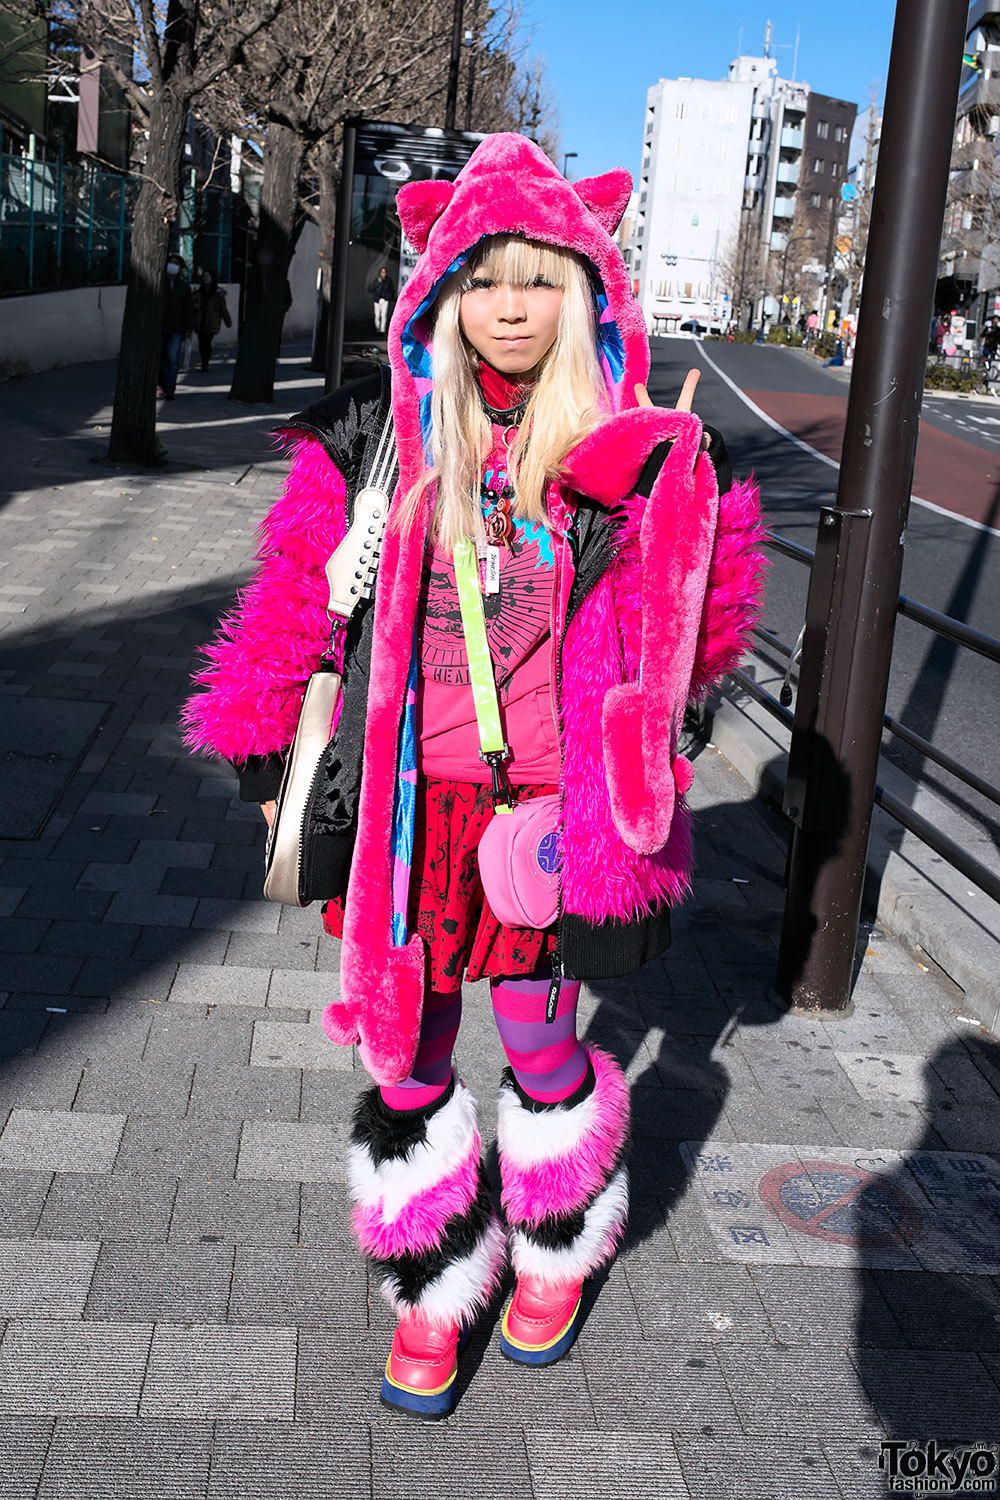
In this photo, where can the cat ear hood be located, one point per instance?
(509, 186)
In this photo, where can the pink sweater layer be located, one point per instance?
(519, 630)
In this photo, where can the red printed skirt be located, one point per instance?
(447, 905)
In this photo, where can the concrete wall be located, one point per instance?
(44, 330)
(48, 329)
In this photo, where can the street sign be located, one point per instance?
(848, 192)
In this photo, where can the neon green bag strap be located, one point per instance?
(493, 748)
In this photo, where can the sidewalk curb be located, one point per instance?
(843, 374)
(913, 893)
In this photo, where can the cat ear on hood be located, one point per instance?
(606, 196)
(419, 204)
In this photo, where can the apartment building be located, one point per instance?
(970, 245)
(746, 153)
(690, 195)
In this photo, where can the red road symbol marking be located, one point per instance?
(840, 1203)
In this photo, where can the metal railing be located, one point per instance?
(65, 226)
(953, 630)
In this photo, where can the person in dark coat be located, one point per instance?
(177, 324)
(210, 312)
(383, 294)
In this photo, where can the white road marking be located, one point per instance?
(815, 453)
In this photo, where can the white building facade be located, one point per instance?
(717, 155)
(690, 195)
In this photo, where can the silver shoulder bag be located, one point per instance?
(350, 572)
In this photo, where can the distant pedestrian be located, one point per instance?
(210, 312)
(177, 324)
(383, 294)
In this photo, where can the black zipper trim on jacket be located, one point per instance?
(558, 970)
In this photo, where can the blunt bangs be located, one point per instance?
(511, 260)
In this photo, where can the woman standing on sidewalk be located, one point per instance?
(210, 312)
(616, 583)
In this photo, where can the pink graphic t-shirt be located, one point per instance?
(518, 628)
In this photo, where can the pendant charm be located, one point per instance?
(499, 523)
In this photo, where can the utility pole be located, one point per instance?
(454, 60)
(853, 592)
(341, 252)
(472, 42)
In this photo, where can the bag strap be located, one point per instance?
(352, 567)
(493, 749)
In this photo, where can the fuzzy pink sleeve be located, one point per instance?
(735, 586)
(269, 643)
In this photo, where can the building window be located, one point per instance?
(694, 221)
(819, 165)
(729, 114)
(822, 129)
(680, 110)
(815, 200)
(835, 170)
(840, 133)
(706, 111)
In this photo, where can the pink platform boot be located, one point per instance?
(422, 1367)
(565, 1196)
(426, 1226)
(541, 1321)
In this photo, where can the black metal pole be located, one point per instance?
(473, 36)
(828, 278)
(341, 255)
(851, 611)
(451, 107)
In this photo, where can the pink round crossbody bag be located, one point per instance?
(519, 864)
(519, 852)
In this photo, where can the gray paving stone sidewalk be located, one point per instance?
(813, 1255)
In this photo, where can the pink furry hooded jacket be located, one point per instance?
(664, 577)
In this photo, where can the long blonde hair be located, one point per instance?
(566, 402)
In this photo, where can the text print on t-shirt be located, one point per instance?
(517, 616)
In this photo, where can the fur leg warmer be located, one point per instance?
(565, 1183)
(422, 1210)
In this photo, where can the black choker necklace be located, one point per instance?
(512, 417)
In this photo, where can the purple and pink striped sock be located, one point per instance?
(432, 1068)
(546, 1058)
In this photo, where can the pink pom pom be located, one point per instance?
(683, 774)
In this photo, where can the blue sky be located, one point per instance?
(603, 56)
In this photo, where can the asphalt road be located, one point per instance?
(948, 695)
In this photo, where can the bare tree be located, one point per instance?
(181, 48)
(319, 63)
(969, 243)
(23, 51)
(742, 268)
(321, 60)
(851, 246)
